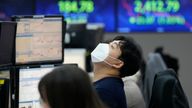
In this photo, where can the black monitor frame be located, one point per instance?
(15, 18)
(13, 47)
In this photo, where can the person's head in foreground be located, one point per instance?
(121, 56)
(68, 87)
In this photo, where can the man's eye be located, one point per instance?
(115, 45)
(112, 46)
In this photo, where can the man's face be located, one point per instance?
(108, 54)
(114, 52)
(114, 49)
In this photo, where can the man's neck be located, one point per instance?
(100, 73)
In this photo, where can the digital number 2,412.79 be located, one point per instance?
(156, 6)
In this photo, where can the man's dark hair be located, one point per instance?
(68, 87)
(131, 55)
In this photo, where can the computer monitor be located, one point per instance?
(7, 38)
(95, 34)
(39, 39)
(28, 86)
(28, 79)
(76, 36)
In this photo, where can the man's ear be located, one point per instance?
(118, 65)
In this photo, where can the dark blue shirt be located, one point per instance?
(111, 92)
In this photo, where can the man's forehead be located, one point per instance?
(115, 41)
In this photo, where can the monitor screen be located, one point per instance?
(154, 16)
(28, 86)
(81, 11)
(7, 40)
(39, 39)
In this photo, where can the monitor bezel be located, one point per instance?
(8, 65)
(16, 17)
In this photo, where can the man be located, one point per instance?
(119, 58)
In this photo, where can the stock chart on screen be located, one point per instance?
(38, 39)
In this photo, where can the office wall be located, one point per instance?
(177, 44)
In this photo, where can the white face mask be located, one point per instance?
(100, 53)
